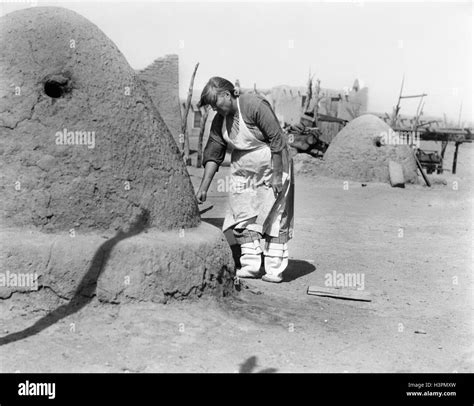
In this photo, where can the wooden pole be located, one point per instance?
(444, 144)
(427, 123)
(397, 107)
(455, 159)
(420, 168)
(201, 136)
(309, 93)
(317, 99)
(184, 136)
(413, 96)
(419, 112)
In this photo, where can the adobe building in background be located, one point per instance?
(346, 103)
(288, 102)
(161, 80)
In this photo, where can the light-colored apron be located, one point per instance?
(252, 203)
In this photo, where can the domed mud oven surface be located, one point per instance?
(95, 197)
(82, 144)
(361, 152)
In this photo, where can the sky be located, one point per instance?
(275, 43)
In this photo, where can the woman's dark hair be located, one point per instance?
(215, 86)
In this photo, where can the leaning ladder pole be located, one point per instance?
(309, 92)
(317, 90)
(201, 137)
(397, 107)
(456, 145)
(419, 112)
(184, 138)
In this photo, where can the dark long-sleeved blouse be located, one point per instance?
(259, 119)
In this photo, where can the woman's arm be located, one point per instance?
(214, 154)
(277, 175)
(209, 171)
(268, 124)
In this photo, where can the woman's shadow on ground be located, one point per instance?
(250, 365)
(85, 292)
(296, 267)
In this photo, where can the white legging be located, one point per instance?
(275, 254)
(276, 258)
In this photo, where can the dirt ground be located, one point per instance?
(420, 281)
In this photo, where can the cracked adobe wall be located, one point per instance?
(81, 143)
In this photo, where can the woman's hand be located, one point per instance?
(209, 171)
(277, 184)
(201, 196)
(277, 175)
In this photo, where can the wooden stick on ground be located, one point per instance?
(340, 293)
(184, 137)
